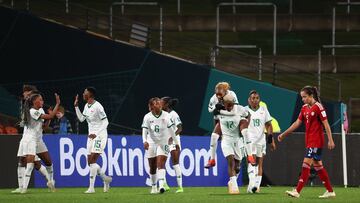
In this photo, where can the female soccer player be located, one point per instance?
(27, 91)
(168, 105)
(314, 116)
(260, 119)
(97, 121)
(215, 104)
(157, 129)
(32, 143)
(232, 144)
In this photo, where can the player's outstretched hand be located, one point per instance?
(281, 137)
(146, 145)
(331, 144)
(57, 98)
(76, 102)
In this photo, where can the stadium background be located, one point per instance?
(64, 52)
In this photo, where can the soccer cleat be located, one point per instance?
(327, 194)
(180, 190)
(254, 189)
(161, 190)
(90, 191)
(166, 187)
(211, 163)
(154, 190)
(251, 160)
(107, 181)
(233, 190)
(16, 191)
(293, 193)
(51, 185)
(23, 191)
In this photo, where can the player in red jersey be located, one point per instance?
(314, 116)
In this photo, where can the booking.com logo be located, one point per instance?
(120, 159)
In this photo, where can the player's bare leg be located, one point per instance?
(160, 162)
(45, 157)
(232, 184)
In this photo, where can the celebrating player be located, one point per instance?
(168, 105)
(27, 91)
(97, 121)
(157, 128)
(216, 102)
(32, 143)
(314, 116)
(232, 144)
(260, 119)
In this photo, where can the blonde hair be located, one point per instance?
(228, 98)
(223, 85)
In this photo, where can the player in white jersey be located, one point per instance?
(32, 143)
(27, 91)
(157, 129)
(168, 105)
(232, 144)
(95, 116)
(260, 119)
(216, 103)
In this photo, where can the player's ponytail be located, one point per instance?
(311, 91)
(171, 102)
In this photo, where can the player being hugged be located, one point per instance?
(95, 116)
(32, 143)
(314, 116)
(157, 129)
(260, 119)
(168, 105)
(232, 144)
(215, 105)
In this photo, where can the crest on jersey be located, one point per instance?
(312, 113)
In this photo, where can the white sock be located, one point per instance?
(20, 172)
(50, 171)
(248, 145)
(178, 175)
(44, 172)
(165, 182)
(213, 144)
(161, 174)
(27, 176)
(251, 174)
(93, 172)
(258, 181)
(233, 181)
(99, 171)
(153, 179)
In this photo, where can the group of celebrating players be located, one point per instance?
(244, 132)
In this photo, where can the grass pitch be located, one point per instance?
(191, 194)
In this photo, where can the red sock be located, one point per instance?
(305, 173)
(324, 177)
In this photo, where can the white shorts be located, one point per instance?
(233, 147)
(157, 150)
(173, 145)
(96, 145)
(259, 150)
(31, 147)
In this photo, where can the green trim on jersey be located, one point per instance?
(171, 125)
(158, 115)
(90, 105)
(254, 109)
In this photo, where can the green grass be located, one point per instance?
(191, 194)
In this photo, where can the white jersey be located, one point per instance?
(96, 117)
(257, 124)
(214, 100)
(34, 129)
(158, 127)
(175, 119)
(230, 124)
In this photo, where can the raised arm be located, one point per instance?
(79, 115)
(52, 113)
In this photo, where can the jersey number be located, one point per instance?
(256, 122)
(97, 143)
(230, 124)
(157, 128)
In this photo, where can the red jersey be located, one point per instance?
(313, 117)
